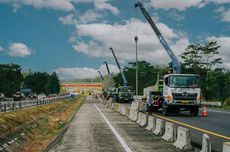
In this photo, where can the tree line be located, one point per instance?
(198, 59)
(12, 79)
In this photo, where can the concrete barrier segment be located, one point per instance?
(159, 129)
(131, 114)
(206, 144)
(183, 141)
(151, 123)
(139, 118)
(226, 147)
(169, 132)
(144, 120)
(127, 112)
(135, 115)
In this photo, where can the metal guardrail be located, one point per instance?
(15, 105)
(212, 104)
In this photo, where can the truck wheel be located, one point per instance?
(164, 110)
(194, 111)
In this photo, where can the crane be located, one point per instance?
(125, 83)
(176, 93)
(110, 76)
(103, 80)
(175, 63)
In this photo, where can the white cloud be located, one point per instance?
(1, 49)
(223, 50)
(19, 50)
(84, 72)
(182, 5)
(68, 20)
(89, 16)
(103, 5)
(63, 5)
(121, 38)
(224, 13)
(177, 4)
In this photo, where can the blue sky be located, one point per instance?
(72, 37)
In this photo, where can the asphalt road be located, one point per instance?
(216, 125)
(99, 128)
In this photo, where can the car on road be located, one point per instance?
(41, 96)
(18, 96)
(33, 96)
(2, 97)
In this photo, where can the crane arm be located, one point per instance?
(103, 80)
(122, 74)
(110, 76)
(175, 63)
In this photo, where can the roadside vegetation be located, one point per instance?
(39, 124)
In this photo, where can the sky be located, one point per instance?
(73, 37)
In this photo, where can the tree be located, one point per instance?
(200, 59)
(147, 75)
(10, 78)
(53, 85)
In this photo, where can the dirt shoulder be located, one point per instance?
(33, 129)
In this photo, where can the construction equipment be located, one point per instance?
(105, 90)
(123, 93)
(180, 91)
(110, 76)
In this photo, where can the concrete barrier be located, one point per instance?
(183, 141)
(131, 114)
(139, 117)
(127, 112)
(206, 144)
(226, 147)
(135, 105)
(112, 105)
(159, 129)
(144, 120)
(135, 115)
(151, 123)
(169, 132)
(122, 110)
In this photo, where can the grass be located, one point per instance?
(47, 126)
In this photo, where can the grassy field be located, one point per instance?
(46, 121)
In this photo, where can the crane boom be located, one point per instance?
(102, 79)
(175, 63)
(122, 74)
(110, 76)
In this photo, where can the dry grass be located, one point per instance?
(47, 126)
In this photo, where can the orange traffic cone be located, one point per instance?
(204, 113)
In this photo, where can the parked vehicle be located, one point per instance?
(41, 96)
(33, 96)
(18, 96)
(2, 97)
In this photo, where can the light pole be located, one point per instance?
(136, 39)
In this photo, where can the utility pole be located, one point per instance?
(136, 39)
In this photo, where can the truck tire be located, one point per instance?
(165, 110)
(194, 111)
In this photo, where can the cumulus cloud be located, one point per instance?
(90, 16)
(84, 72)
(224, 13)
(104, 5)
(177, 4)
(1, 49)
(182, 5)
(63, 5)
(19, 50)
(121, 38)
(68, 20)
(224, 52)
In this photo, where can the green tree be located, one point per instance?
(147, 75)
(201, 59)
(10, 78)
(53, 85)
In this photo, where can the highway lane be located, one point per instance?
(216, 125)
(99, 128)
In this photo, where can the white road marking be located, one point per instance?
(219, 111)
(122, 142)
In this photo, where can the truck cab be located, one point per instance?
(181, 92)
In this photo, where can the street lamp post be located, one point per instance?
(136, 39)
